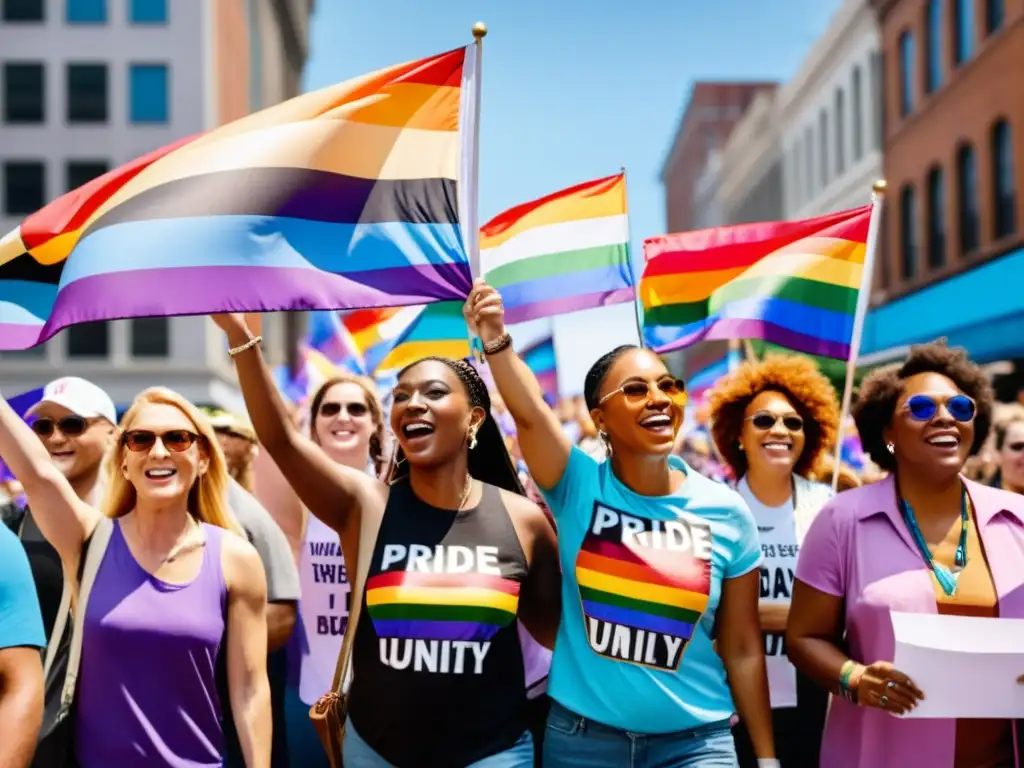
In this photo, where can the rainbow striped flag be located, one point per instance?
(376, 331)
(438, 330)
(328, 335)
(342, 198)
(562, 253)
(791, 283)
(703, 380)
(540, 358)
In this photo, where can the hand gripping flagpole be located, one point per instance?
(878, 190)
(472, 228)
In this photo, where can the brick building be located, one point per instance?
(711, 113)
(954, 160)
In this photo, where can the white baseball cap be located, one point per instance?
(81, 397)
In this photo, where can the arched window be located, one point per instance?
(933, 45)
(963, 31)
(936, 218)
(1004, 190)
(967, 198)
(908, 232)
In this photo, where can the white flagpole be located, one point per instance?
(878, 190)
(638, 308)
(469, 178)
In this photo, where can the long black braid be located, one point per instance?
(489, 462)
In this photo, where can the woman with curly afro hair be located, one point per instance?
(772, 420)
(923, 540)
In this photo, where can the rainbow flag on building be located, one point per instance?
(540, 358)
(439, 330)
(562, 253)
(791, 283)
(346, 197)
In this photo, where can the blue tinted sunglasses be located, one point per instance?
(924, 407)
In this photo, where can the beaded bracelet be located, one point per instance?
(243, 347)
(500, 344)
(845, 673)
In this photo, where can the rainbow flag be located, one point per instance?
(562, 253)
(438, 330)
(376, 331)
(540, 358)
(329, 336)
(702, 381)
(440, 606)
(794, 284)
(341, 198)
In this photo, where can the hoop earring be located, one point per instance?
(472, 439)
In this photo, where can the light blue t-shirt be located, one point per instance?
(21, 622)
(641, 581)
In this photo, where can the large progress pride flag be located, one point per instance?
(346, 197)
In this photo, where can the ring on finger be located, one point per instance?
(891, 684)
(884, 700)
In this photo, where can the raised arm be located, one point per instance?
(64, 519)
(544, 445)
(332, 492)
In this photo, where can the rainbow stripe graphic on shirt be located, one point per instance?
(644, 585)
(441, 606)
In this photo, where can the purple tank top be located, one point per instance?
(147, 690)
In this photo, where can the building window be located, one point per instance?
(858, 115)
(151, 337)
(24, 10)
(840, 131)
(24, 187)
(148, 93)
(147, 11)
(908, 233)
(87, 93)
(877, 99)
(81, 172)
(963, 30)
(823, 148)
(933, 46)
(85, 11)
(809, 165)
(24, 93)
(89, 340)
(798, 172)
(906, 74)
(995, 15)
(936, 219)
(967, 198)
(1004, 191)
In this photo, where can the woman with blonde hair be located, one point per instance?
(174, 585)
(774, 421)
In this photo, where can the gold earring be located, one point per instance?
(472, 438)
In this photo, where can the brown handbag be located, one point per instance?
(330, 710)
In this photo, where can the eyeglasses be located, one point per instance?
(355, 410)
(924, 407)
(174, 440)
(640, 391)
(765, 421)
(70, 426)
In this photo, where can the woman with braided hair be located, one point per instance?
(459, 556)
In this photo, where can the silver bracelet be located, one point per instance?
(768, 762)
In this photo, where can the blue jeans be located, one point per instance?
(358, 754)
(572, 741)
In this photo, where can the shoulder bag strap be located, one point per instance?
(93, 558)
(369, 527)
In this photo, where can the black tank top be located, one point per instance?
(437, 667)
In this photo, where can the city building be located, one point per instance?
(87, 85)
(713, 109)
(750, 177)
(830, 113)
(707, 203)
(954, 162)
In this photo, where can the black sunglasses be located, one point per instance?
(765, 421)
(355, 410)
(174, 440)
(70, 426)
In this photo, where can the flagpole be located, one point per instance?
(878, 190)
(637, 306)
(473, 203)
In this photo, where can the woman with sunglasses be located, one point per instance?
(772, 421)
(346, 423)
(177, 586)
(437, 663)
(1009, 446)
(923, 540)
(659, 564)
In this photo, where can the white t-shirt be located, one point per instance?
(776, 527)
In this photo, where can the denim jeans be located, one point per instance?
(358, 754)
(572, 741)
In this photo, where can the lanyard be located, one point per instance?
(947, 579)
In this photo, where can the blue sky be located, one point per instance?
(573, 90)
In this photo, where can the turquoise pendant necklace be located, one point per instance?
(947, 578)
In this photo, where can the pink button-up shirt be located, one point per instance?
(859, 548)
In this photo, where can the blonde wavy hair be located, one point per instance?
(208, 498)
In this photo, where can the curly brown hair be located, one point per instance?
(796, 377)
(881, 389)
